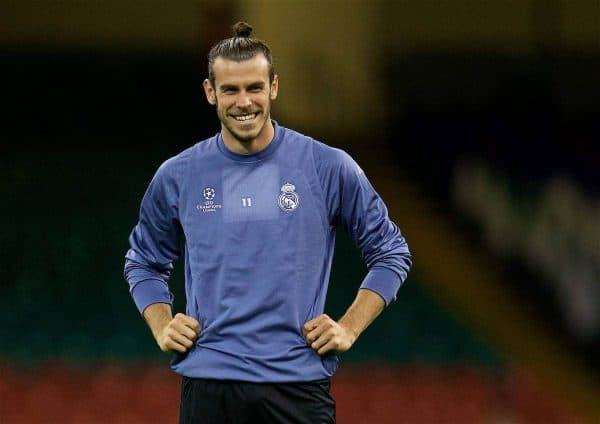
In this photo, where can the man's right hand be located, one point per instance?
(179, 334)
(176, 333)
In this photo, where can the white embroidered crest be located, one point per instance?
(288, 199)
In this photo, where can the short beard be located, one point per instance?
(244, 139)
(241, 138)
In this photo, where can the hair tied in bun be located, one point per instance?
(242, 29)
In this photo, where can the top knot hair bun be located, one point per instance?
(240, 47)
(242, 29)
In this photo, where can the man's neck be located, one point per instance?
(249, 147)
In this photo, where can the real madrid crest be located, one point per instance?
(288, 199)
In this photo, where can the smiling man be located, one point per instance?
(256, 208)
(243, 97)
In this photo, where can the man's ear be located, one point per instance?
(274, 87)
(209, 90)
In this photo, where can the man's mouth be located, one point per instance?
(246, 117)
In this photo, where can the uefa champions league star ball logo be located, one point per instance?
(209, 204)
(209, 193)
(288, 199)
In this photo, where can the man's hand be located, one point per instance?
(179, 334)
(325, 335)
(171, 333)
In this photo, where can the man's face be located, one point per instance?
(242, 94)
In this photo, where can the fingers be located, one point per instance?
(189, 322)
(331, 345)
(309, 325)
(182, 339)
(321, 340)
(324, 335)
(328, 340)
(180, 334)
(184, 330)
(172, 345)
(171, 339)
(311, 330)
(319, 331)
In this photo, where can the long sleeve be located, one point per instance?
(353, 202)
(155, 241)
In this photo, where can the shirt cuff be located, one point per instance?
(382, 281)
(147, 292)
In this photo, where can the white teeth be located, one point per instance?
(245, 117)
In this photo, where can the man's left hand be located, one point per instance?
(324, 335)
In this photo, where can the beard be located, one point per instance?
(244, 137)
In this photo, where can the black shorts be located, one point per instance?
(205, 401)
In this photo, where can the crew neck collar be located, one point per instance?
(253, 157)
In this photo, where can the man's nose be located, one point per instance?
(243, 100)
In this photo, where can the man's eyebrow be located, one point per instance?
(256, 84)
(227, 87)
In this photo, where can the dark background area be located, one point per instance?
(533, 115)
(530, 117)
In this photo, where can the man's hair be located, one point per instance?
(240, 47)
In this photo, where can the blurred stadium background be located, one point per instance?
(476, 120)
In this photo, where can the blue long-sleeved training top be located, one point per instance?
(258, 233)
